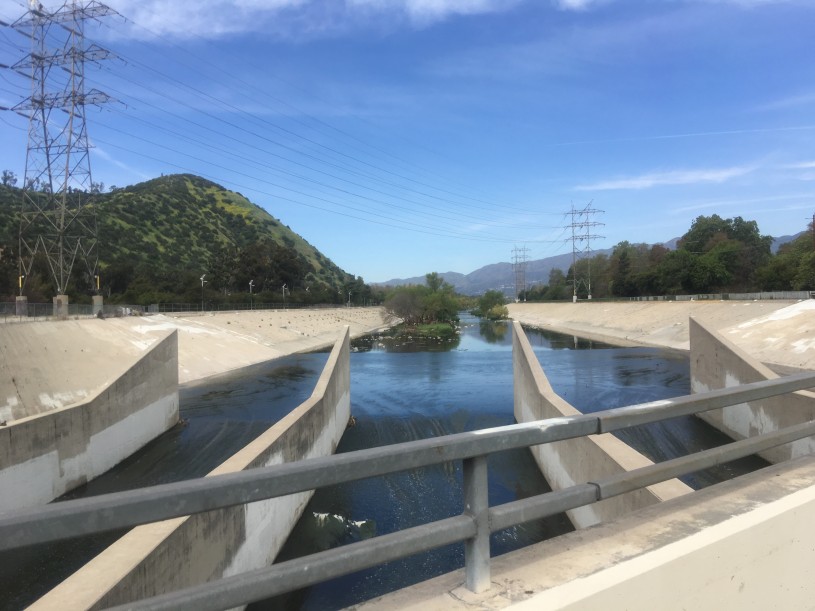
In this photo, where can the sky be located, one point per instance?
(402, 137)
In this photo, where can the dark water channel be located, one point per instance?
(401, 389)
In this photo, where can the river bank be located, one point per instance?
(216, 343)
(778, 333)
(52, 364)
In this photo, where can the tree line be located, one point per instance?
(716, 255)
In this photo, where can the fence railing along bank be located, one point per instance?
(757, 296)
(472, 527)
(42, 311)
(9, 311)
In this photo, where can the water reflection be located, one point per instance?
(493, 332)
(560, 341)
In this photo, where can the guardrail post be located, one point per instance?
(476, 504)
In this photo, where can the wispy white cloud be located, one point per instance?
(618, 39)
(205, 18)
(103, 154)
(791, 101)
(576, 5)
(290, 18)
(674, 177)
(743, 202)
(801, 165)
(801, 170)
(430, 11)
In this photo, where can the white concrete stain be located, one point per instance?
(61, 399)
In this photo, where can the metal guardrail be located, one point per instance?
(473, 526)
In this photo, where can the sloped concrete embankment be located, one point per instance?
(715, 363)
(173, 554)
(55, 450)
(583, 459)
(780, 334)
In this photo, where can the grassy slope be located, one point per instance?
(178, 222)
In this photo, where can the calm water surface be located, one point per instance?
(408, 388)
(401, 389)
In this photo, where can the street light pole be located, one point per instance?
(251, 299)
(203, 282)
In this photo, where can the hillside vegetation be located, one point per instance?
(158, 237)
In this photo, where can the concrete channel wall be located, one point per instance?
(165, 556)
(580, 460)
(45, 455)
(717, 363)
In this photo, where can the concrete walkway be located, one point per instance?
(778, 333)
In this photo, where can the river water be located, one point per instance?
(402, 389)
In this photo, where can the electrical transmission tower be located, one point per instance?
(56, 218)
(582, 226)
(519, 259)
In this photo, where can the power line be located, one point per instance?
(519, 260)
(344, 169)
(266, 95)
(55, 219)
(581, 227)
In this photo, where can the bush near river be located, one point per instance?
(491, 306)
(434, 303)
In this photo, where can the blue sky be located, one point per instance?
(407, 136)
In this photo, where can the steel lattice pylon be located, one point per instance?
(56, 217)
(581, 226)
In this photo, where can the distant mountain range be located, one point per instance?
(500, 276)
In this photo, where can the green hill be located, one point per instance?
(158, 237)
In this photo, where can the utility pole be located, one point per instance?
(57, 218)
(519, 259)
(582, 227)
(812, 229)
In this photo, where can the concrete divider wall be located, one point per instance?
(717, 363)
(46, 455)
(577, 461)
(173, 554)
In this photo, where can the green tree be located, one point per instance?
(407, 303)
(492, 305)
(725, 253)
(9, 178)
(432, 303)
(440, 303)
(792, 268)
